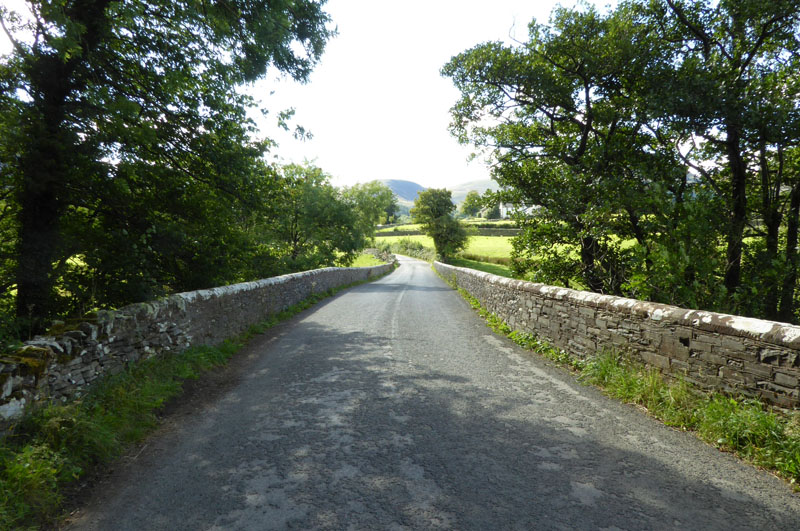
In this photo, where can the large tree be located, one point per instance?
(315, 225)
(651, 137)
(106, 101)
(472, 204)
(433, 208)
(727, 81)
(560, 116)
(372, 203)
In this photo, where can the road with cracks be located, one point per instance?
(392, 406)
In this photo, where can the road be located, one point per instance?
(392, 406)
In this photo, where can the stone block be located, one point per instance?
(655, 360)
(758, 369)
(712, 359)
(679, 366)
(786, 380)
(730, 375)
(771, 356)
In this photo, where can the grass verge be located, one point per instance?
(482, 265)
(55, 445)
(746, 427)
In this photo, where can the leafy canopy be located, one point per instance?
(433, 209)
(126, 143)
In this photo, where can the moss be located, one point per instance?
(31, 360)
(64, 358)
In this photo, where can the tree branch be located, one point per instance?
(696, 31)
(17, 46)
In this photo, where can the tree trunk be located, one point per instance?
(772, 221)
(733, 269)
(49, 157)
(589, 249)
(44, 172)
(786, 309)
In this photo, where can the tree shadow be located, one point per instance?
(338, 430)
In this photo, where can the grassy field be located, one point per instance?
(495, 269)
(498, 224)
(366, 260)
(485, 246)
(397, 228)
(490, 246)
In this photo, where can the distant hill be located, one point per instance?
(460, 190)
(406, 191)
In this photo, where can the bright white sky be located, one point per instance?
(376, 104)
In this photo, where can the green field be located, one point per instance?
(491, 246)
(500, 224)
(495, 269)
(366, 260)
(487, 246)
(398, 228)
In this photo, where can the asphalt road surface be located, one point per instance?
(392, 406)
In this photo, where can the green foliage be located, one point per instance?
(374, 203)
(472, 204)
(482, 265)
(366, 260)
(433, 209)
(314, 224)
(659, 145)
(408, 247)
(129, 166)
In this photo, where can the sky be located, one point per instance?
(376, 105)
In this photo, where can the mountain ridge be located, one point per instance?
(406, 191)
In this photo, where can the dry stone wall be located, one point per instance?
(60, 367)
(713, 350)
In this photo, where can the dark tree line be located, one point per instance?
(660, 141)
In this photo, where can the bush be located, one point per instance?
(408, 247)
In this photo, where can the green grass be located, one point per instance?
(489, 246)
(426, 241)
(484, 246)
(495, 269)
(366, 260)
(398, 228)
(743, 426)
(55, 445)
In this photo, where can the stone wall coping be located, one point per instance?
(61, 366)
(181, 299)
(782, 334)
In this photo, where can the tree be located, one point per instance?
(632, 131)
(727, 82)
(316, 225)
(472, 204)
(557, 113)
(115, 100)
(391, 211)
(371, 201)
(433, 209)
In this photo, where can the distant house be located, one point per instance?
(509, 209)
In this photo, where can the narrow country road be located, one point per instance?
(392, 406)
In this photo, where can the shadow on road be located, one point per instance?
(336, 430)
